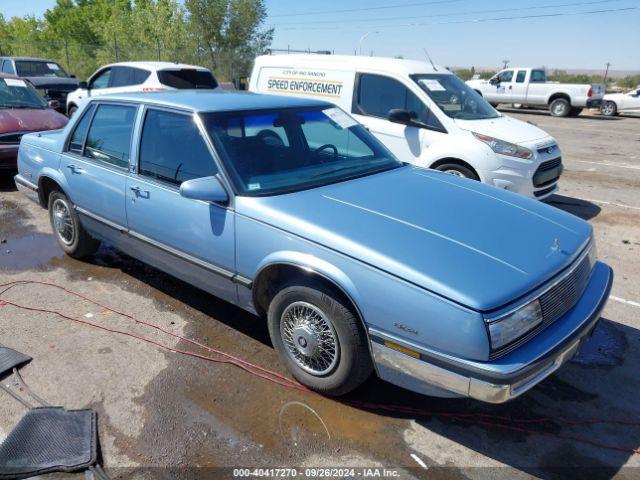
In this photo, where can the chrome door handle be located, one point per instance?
(138, 190)
(75, 169)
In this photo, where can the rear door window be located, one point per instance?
(538, 76)
(172, 149)
(187, 78)
(76, 142)
(126, 76)
(109, 139)
(521, 76)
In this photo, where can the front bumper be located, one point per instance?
(8, 157)
(594, 103)
(505, 378)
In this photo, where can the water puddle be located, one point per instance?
(604, 349)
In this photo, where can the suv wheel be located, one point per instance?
(68, 230)
(319, 339)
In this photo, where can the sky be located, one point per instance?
(572, 34)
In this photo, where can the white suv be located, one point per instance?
(140, 77)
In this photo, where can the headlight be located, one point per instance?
(504, 148)
(514, 325)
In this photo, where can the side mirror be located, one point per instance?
(398, 115)
(71, 75)
(207, 189)
(493, 81)
(83, 85)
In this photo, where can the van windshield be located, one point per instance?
(270, 152)
(454, 97)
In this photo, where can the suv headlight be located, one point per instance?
(516, 324)
(504, 148)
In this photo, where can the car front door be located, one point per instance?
(502, 87)
(95, 162)
(632, 102)
(375, 96)
(190, 238)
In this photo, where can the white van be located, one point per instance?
(424, 114)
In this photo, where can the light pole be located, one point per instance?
(362, 40)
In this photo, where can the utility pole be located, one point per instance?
(606, 72)
(362, 40)
(115, 45)
(505, 64)
(66, 52)
(158, 47)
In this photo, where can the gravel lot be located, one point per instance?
(162, 414)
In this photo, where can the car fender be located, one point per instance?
(315, 265)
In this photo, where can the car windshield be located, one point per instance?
(39, 68)
(268, 152)
(454, 97)
(17, 93)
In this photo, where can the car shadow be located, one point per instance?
(545, 113)
(580, 208)
(600, 383)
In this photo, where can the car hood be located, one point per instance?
(477, 245)
(63, 83)
(505, 128)
(30, 120)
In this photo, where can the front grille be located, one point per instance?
(547, 173)
(556, 301)
(547, 149)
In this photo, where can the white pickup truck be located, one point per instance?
(529, 86)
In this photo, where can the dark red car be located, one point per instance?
(22, 110)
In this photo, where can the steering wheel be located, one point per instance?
(327, 146)
(271, 138)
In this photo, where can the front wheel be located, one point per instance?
(457, 170)
(69, 232)
(560, 107)
(319, 339)
(609, 109)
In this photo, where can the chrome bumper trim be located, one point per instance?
(422, 375)
(29, 189)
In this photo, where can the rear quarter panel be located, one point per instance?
(39, 156)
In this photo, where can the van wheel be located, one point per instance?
(609, 109)
(319, 339)
(560, 107)
(71, 235)
(457, 170)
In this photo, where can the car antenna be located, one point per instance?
(430, 61)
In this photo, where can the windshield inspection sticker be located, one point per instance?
(53, 66)
(339, 117)
(433, 85)
(253, 186)
(15, 82)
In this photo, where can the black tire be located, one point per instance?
(560, 107)
(575, 111)
(457, 170)
(78, 243)
(609, 109)
(71, 111)
(353, 364)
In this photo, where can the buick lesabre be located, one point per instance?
(291, 210)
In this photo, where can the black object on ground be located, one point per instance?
(50, 439)
(9, 359)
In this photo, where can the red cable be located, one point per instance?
(283, 381)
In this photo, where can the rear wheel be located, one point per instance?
(609, 109)
(457, 170)
(560, 107)
(67, 229)
(319, 339)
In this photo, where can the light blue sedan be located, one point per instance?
(360, 263)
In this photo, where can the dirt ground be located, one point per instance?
(164, 415)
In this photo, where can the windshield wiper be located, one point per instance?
(39, 107)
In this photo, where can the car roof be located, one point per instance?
(152, 66)
(31, 59)
(213, 101)
(350, 62)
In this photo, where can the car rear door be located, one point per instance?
(95, 162)
(519, 87)
(192, 239)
